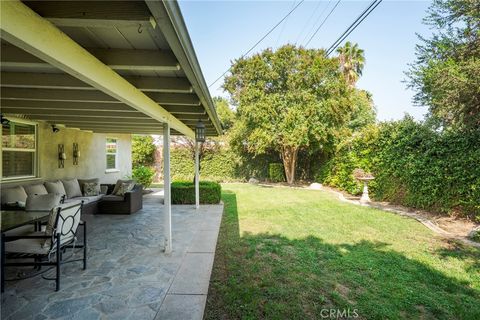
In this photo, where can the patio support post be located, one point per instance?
(197, 176)
(166, 188)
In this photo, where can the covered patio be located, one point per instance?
(128, 275)
(96, 70)
(105, 67)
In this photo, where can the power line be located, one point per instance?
(310, 18)
(258, 42)
(323, 22)
(354, 25)
(283, 25)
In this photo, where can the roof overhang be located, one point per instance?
(103, 66)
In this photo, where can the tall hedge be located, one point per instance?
(223, 165)
(414, 165)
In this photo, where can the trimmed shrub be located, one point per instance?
(183, 192)
(143, 175)
(276, 172)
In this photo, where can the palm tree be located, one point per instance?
(352, 60)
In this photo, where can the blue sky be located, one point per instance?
(222, 31)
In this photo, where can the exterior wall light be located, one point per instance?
(62, 156)
(76, 154)
(200, 131)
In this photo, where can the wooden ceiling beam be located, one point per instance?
(66, 81)
(92, 96)
(116, 59)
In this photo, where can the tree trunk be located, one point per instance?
(289, 157)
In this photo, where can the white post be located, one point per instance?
(166, 188)
(197, 177)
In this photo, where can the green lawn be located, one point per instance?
(288, 254)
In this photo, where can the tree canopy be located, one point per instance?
(352, 61)
(225, 113)
(446, 73)
(287, 100)
(143, 151)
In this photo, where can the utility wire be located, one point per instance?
(323, 22)
(354, 25)
(310, 18)
(258, 42)
(284, 24)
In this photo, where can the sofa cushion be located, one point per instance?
(119, 183)
(42, 202)
(55, 187)
(72, 188)
(88, 199)
(13, 195)
(124, 188)
(33, 189)
(112, 197)
(82, 182)
(91, 189)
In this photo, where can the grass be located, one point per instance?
(287, 253)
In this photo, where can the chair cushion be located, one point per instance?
(66, 209)
(124, 188)
(42, 202)
(91, 189)
(38, 188)
(33, 246)
(72, 188)
(112, 197)
(119, 183)
(55, 187)
(13, 195)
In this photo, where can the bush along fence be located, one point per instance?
(222, 165)
(414, 165)
(183, 192)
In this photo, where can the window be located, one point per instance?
(111, 153)
(19, 150)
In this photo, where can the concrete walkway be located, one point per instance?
(128, 275)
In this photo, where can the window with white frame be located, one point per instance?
(111, 154)
(19, 150)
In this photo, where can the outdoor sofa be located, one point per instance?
(104, 200)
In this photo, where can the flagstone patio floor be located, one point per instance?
(128, 274)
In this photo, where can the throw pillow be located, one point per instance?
(42, 202)
(72, 188)
(124, 188)
(119, 183)
(81, 182)
(91, 189)
(13, 195)
(55, 187)
(35, 189)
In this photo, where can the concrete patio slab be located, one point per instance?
(194, 274)
(182, 307)
(128, 275)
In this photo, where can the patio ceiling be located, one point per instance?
(107, 66)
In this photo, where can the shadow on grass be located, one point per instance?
(268, 276)
(469, 255)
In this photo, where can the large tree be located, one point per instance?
(224, 112)
(288, 100)
(446, 74)
(352, 61)
(143, 150)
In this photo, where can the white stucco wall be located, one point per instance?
(92, 162)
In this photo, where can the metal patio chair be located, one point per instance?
(47, 248)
